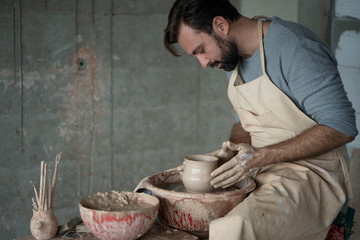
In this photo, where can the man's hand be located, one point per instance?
(228, 151)
(234, 170)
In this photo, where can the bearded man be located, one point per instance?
(294, 119)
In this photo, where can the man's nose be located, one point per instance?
(204, 61)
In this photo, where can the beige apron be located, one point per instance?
(296, 200)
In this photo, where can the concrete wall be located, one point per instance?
(91, 79)
(314, 14)
(285, 9)
(346, 45)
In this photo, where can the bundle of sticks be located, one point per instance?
(45, 196)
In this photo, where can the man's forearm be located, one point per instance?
(239, 135)
(311, 143)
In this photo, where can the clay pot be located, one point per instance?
(43, 224)
(196, 175)
(193, 212)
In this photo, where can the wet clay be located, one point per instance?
(114, 201)
(179, 187)
(119, 215)
(43, 224)
(193, 212)
(196, 175)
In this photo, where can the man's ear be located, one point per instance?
(220, 26)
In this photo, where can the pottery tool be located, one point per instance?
(44, 198)
(53, 186)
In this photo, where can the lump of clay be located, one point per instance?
(112, 201)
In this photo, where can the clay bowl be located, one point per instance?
(193, 212)
(122, 216)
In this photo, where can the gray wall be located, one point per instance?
(346, 45)
(91, 79)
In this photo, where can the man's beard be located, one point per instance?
(229, 54)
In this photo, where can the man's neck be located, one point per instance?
(244, 33)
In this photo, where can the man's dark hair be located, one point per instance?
(197, 14)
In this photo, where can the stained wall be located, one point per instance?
(346, 45)
(92, 80)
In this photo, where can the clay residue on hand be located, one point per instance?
(113, 201)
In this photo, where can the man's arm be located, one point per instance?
(239, 135)
(311, 143)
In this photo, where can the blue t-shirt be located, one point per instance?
(303, 67)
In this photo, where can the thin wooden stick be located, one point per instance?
(49, 191)
(36, 194)
(57, 160)
(41, 185)
(44, 189)
(45, 200)
(45, 196)
(35, 206)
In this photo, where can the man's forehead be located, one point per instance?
(189, 38)
(186, 32)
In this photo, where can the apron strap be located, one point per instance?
(236, 78)
(261, 46)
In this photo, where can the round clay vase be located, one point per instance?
(196, 175)
(43, 224)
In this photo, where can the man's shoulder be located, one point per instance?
(287, 31)
(289, 38)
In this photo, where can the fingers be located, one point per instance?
(228, 146)
(233, 170)
(225, 146)
(181, 167)
(240, 159)
(226, 166)
(234, 183)
(215, 153)
(230, 181)
(228, 174)
(238, 146)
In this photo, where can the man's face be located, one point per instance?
(229, 54)
(211, 51)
